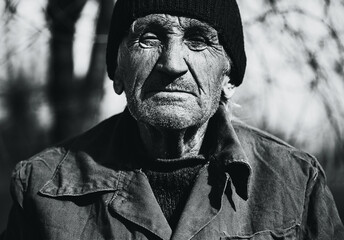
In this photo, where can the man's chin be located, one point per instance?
(169, 117)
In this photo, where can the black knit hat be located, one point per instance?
(223, 15)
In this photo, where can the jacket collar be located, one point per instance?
(227, 152)
(96, 160)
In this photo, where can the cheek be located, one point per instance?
(209, 70)
(139, 65)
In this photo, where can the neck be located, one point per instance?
(172, 143)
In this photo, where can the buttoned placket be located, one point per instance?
(203, 205)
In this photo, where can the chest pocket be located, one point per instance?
(287, 234)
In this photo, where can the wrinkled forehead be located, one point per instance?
(171, 21)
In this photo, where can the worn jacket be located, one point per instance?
(92, 187)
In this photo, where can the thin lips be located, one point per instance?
(170, 90)
(158, 82)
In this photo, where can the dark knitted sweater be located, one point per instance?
(171, 182)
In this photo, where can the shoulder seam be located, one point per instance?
(262, 134)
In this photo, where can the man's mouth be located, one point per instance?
(168, 90)
(171, 91)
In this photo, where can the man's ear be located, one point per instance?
(228, 89)
(118, 85)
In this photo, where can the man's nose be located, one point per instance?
(172, 59)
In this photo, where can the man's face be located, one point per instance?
(173, 69)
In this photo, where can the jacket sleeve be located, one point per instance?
(15, 225)
(19, 224)
(321, 219)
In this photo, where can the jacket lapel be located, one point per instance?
(135, 202)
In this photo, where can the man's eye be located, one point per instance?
(149, 40)
(196, 43)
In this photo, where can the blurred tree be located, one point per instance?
(42, 103)
(295, 79)
(72, 101)
(75, 102)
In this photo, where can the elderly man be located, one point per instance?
(173, 165)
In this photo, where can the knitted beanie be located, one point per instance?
(223, 15)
